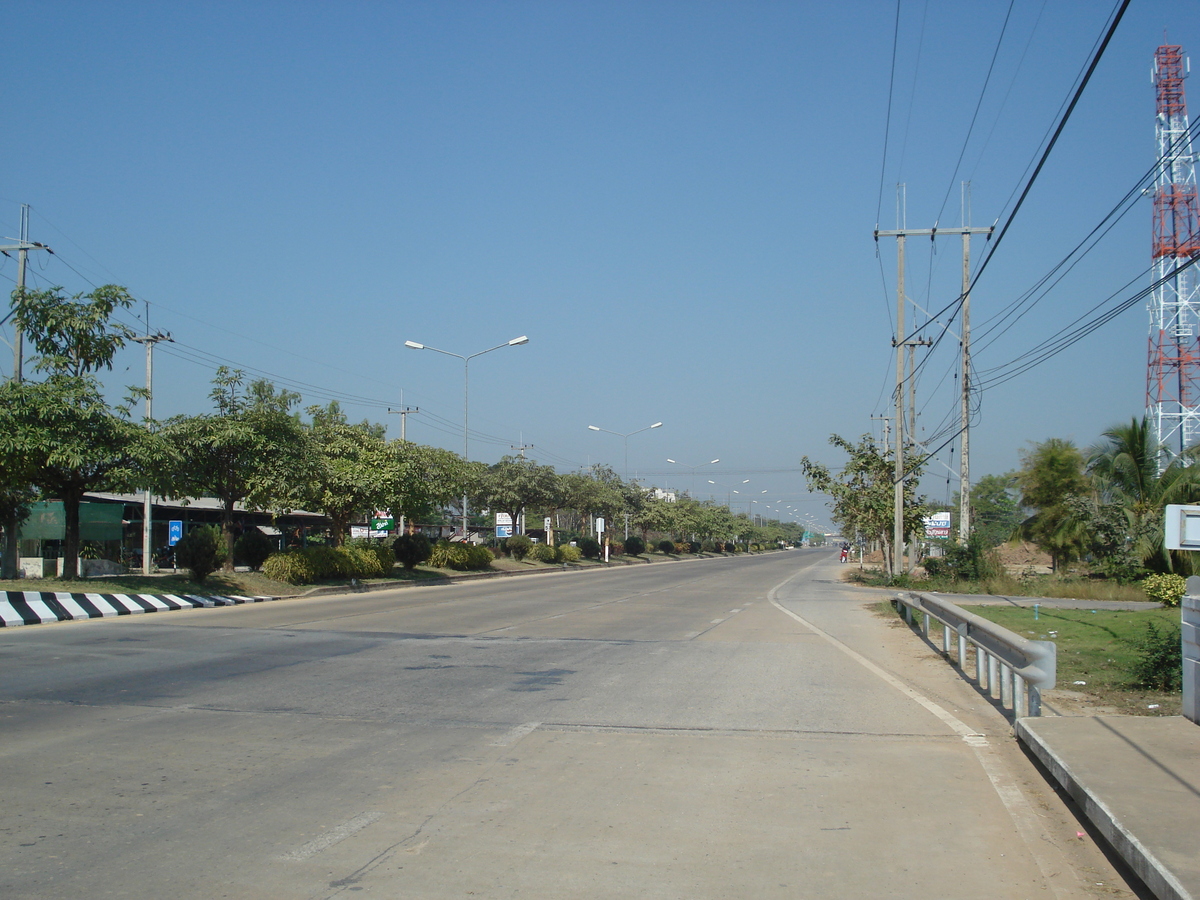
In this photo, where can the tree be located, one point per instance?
(1052, 472)
(514, 484)
(428, 479)
(60, 434)
(251, 450)
(353, 471)
(1124, 469)
(864, 495)
(995, 512)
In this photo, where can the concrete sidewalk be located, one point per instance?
(1137, 779)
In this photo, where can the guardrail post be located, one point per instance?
(962, 648)
(981, 667)
(1035, 700)
(1018, 695)
(1005, 685)
(992, 663)
(925, 625)
(945, 638)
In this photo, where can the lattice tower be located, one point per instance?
(1173, 373)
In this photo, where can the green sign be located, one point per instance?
(381, 524)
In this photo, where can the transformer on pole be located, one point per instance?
(1173, 371)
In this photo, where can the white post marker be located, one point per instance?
(600, 535)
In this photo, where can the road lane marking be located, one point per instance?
(515, 734)
(336, 835)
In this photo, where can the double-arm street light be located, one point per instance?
(626, 438)
(729, 496)
(693, 468)
(466, 398)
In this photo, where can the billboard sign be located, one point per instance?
(937, 525)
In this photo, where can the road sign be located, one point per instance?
(174, 531)
(600, 526)
(937, 525)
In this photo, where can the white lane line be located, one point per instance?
(716, 621)
(1026, 821)
(515, 734)
(334, 836)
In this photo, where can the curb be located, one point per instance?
(1156, 876)
(40, 607)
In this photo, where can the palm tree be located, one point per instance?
(1125, 471)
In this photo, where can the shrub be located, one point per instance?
(292, 567)
(1165, 589)
(329, 563)
(411, 550)
(565, 553)
(363, 562)
(460, 557)
(616, 548)
(202, 551)
(518, 546)
(694, 547)
(634, 545)
(589, 547)
(253, 548)
(544, 553)
(730, 547)
(383, 557)
(666, 546)
(1159, 664)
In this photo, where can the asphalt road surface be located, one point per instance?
(733, 728)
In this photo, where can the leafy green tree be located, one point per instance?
(16, 495)
(251, 451)
(354, 470)
(1051, 473)
(1124, 470)
(426, 480)
(514, 484)
(864, 494)
(995, 513)
(60, 434)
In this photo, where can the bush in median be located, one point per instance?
(202, 551)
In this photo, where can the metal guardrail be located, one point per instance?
(1017, 668)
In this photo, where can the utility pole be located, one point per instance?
(149, 340)
(403, 412)
(900, 234)
(23, 246)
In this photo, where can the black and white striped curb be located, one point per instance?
(38, 607)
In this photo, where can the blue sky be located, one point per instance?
(674, 201)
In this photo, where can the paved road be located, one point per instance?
(720, 728)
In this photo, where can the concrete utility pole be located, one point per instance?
(149, 340)
(403, 412)
(964, 514)
(23, 246)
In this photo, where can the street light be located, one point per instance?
(728, 498)
(523, 339)
(693, 468)
(626, 438)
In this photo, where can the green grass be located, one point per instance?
(1095, 647)
(1065, 586)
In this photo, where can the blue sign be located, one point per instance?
(174, 531)
(504, 531)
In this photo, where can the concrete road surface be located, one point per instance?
(727, 728)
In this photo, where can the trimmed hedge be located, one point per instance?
(634, 545)
(565, 553)
(411, 550)
(319, 563)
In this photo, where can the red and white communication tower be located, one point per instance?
(1173, 374)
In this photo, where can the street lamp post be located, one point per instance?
(625, 437)
(729, 491)
(693, 468)
(523, 339)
